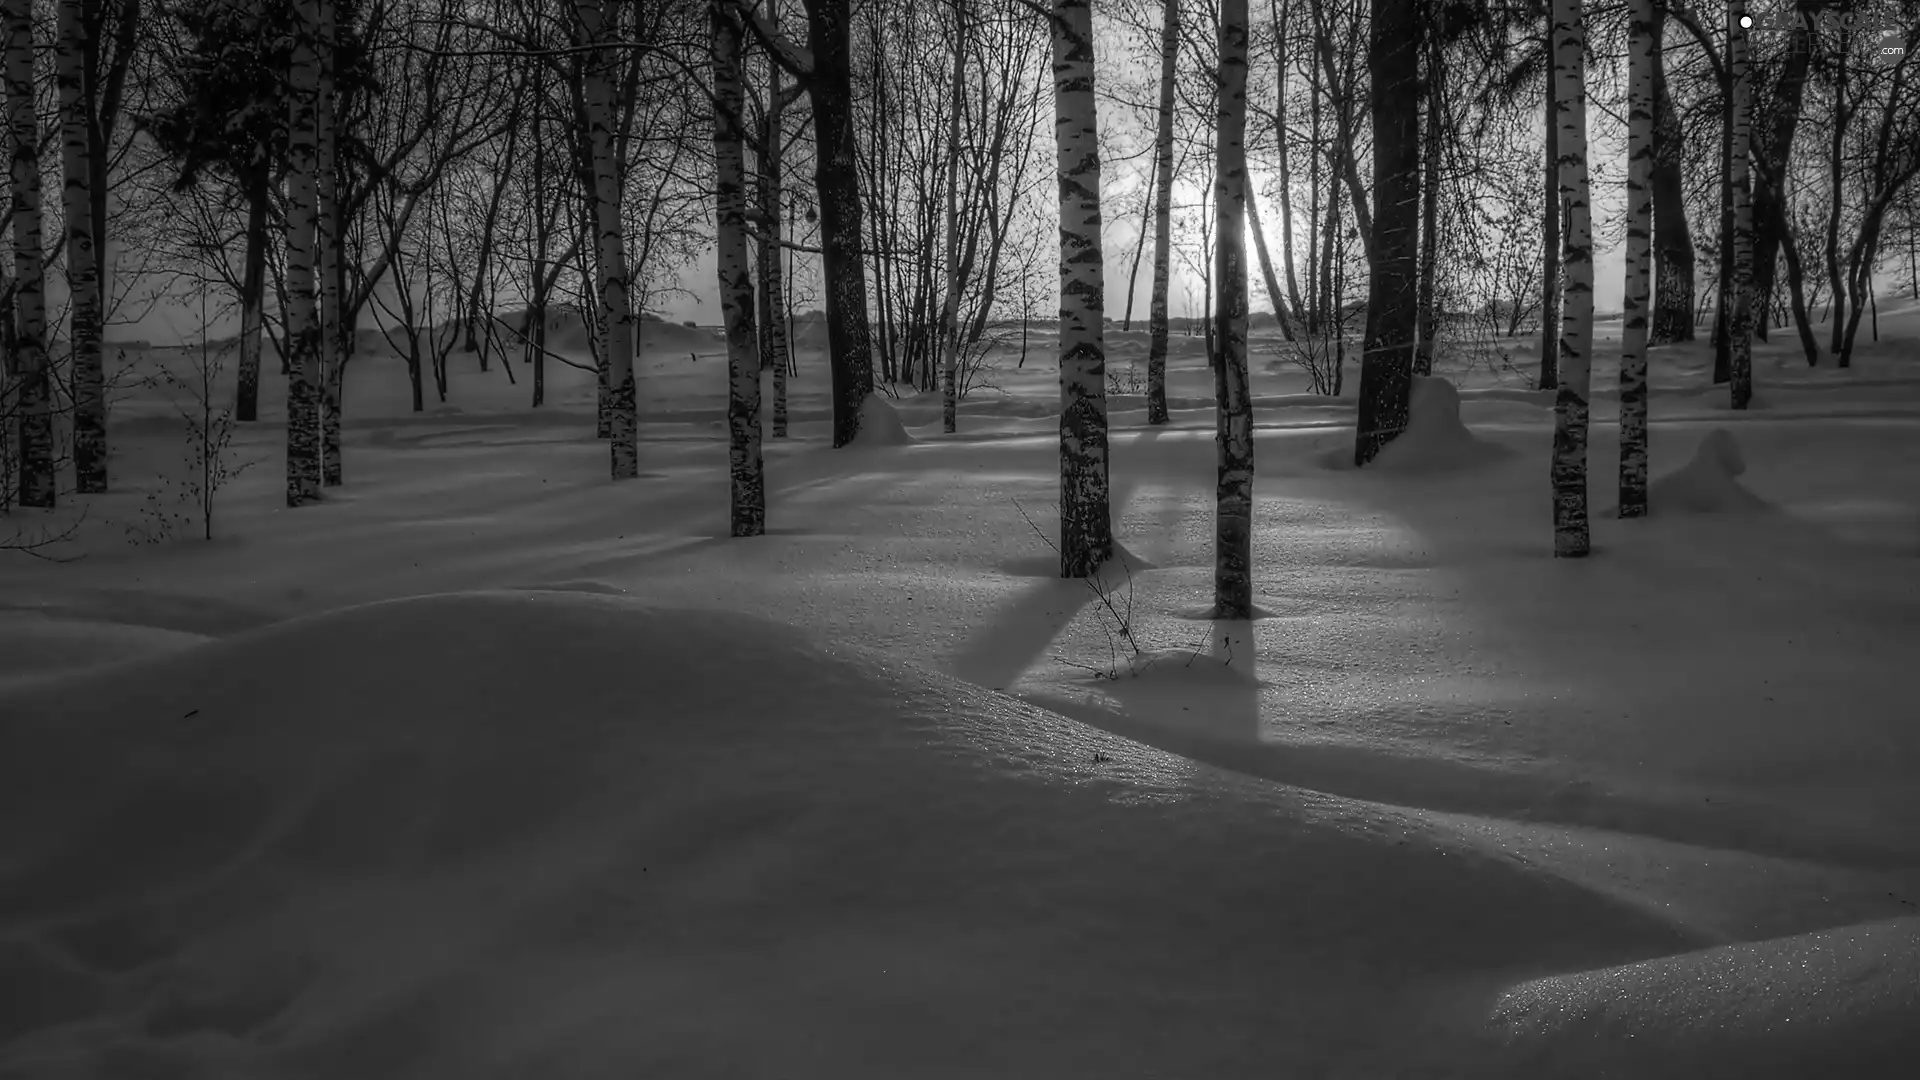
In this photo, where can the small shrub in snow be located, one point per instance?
(187, 501)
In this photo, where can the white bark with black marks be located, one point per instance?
(331, 234)
(1233, 497)
(733, 258)
(1641, 59)
(36, 475)
(1086, 528)
(950, 309)
(1740, 178)
(83, 268)
(1162, 219)
(303, 337)
(1570, 408)
(597, 29)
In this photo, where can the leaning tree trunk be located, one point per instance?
(1551, 270)
(610, 237)
(1162, 220)
(1740, 328)
(37, 475)
(1393, 280)
(253, 286)
(950, 307)
(1672, 237)
(83, 268)
(330, 238)
(1641, 61)
(749, 485)
(303, 260)
(1086, 526)
(1267, 274)
(1570, 537)
(1233, 493)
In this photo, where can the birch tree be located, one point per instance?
(1233, 499)
(950, 309)
(83, 269)
(329, 237)
(304, 339)
(37, 476)
(596, 30)
(1162, 219)
(1433, 110)
(1386, 369)
(1570, 531)
(1086, 526)
(1642, 61)
(1552, 252)
(775, 349)
(749, 489)
(1739, 173)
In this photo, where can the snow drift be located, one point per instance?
(570, 835)
(880, 424)
(1436, 439)
(1709, 483)
(1839, 1002)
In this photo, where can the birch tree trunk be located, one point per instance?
(1740, 176)
(253, 282)
(1386, 368)
(749, 487)
(773, 328)
(1162, 220)
(1570, 530)
(303, 260)
(610, 236)
(83, 268)
(37, 475)
(1430, 193)
(1552, 273)
(950, 309)
(1233, 496)
(1086, 527)
(330, 235)
(1641, 60)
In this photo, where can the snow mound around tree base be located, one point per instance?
(1839, 1002)
(1708, 484)
(554, 833)
(1436, 439)
(880, 425)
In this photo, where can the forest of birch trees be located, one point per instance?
(891, 199)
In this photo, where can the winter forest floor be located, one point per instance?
(879, 795)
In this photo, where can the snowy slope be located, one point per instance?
(499, 834)
(558, 834)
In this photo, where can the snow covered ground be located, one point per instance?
(877, 795)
